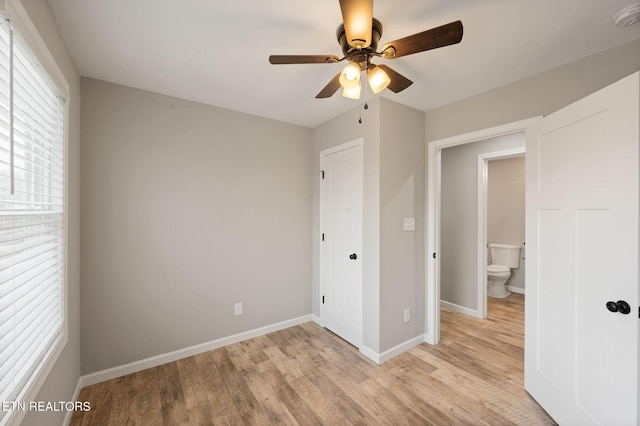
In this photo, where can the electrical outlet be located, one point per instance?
(238, 309)
(407, 315)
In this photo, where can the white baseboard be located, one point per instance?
(461, 309)
(429, 339)
(515, 289)
(370, 353)
(402, 347)
(390, 353)
(133, 367)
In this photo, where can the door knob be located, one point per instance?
(619, 306)
(623, 307)
(353, 256)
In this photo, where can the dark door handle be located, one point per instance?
(353, 256)
(619, 306)
(623, 307)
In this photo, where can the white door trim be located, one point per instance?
(324, 153)
(341, 147)
(481, 310)
(432, 213)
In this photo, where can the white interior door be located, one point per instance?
(581, 360)
(341, 245)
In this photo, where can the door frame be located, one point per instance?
(324, 153)
(483, 168)
(432, 215)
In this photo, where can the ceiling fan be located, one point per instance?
(358, 36)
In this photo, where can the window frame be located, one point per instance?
(27, 34)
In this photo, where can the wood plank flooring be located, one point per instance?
(306, 375)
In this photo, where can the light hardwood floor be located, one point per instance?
(306, 375)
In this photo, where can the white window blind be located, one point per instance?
(32, 217)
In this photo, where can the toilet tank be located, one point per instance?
(505, 254)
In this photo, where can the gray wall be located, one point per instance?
(393, 260)
(538, 95)
(505, 210)
(187, 209)
(61, 382)
(402, 192)
(459, 217)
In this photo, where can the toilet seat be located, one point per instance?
(497, 269)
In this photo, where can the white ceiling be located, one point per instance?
(216, 52)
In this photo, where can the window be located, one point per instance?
(32, 217)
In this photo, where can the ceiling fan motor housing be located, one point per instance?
(353, 54)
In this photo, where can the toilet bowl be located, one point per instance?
(497, 276)
(503, 257)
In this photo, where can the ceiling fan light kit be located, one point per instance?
(352, 93)
(350, 76)
(358, 37)
(351, 82)
(378, 79)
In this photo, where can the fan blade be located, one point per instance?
(357, 16)
(330, 88)
(398, 81)
(303, 59)
(444, 35)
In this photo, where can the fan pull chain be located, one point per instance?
(365, 106)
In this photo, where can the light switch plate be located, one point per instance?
(409, 224)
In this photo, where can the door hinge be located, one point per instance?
(323, 236)
(322, 174)
(323, 300)
(434, 255)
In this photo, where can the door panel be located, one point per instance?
(341, 223)
(581, 361)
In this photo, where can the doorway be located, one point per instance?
(433, 228)
(501, 215)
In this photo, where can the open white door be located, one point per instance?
(581, 359)
(341, 242)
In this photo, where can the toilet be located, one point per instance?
(503, 258)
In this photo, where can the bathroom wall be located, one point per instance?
(459, 217)
(506, 210)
